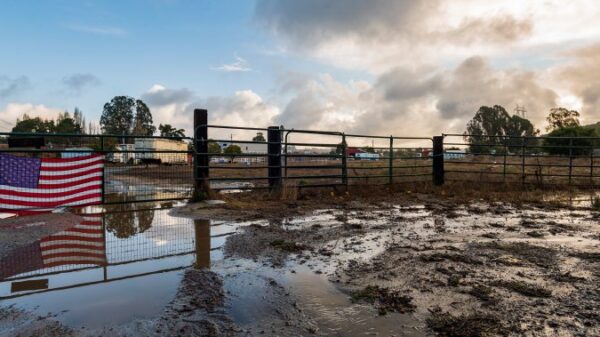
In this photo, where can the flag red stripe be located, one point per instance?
(70, 238)
(69, 160)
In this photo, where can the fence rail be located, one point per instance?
(135, 170)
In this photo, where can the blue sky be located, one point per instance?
(379, 66)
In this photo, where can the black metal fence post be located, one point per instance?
(344, 161)
(103, 166)
(438, 160)
(570, 159)
(201, 159)
(523, 160)
(391, 167)
(274, 152)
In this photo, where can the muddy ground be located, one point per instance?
(462, 269)
(437, 264)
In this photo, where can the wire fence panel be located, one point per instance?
(44, 171)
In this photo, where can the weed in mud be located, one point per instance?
(439, 257)
(288, 246)
(596, 202)
(529, 224)
(536, 234)
(387, 300)
(590, 256)
(538, 255)
(474, 325)
(454, 280)
(524, 288)
(483, 293)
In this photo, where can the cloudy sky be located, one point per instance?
(408, 68)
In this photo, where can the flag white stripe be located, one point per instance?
(91, 244)
(70, 180)
(74, 203)
(52, 199)
(49, 251)
(44, 173)
(92, 260)
(4, 188)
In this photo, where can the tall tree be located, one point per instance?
(66, 124)
(38, 125)
(559, 118)
(143, 120)
(167, 130)
(492, 126)
(117, 116)
(259, 137)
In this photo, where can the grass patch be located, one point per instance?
(538, 255)
(483, 293)
(524, 288)
(288, 246)
(474, 325)
(387, 300)
(455, 257)
(590, 256)
(536, 234)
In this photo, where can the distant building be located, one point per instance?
(353, 151)
(249, 148)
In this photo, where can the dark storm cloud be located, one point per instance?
(12, 86)
(76, 83)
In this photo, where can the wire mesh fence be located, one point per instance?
(43, 171)
(528, 160)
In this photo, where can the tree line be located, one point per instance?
(122, 116)
(493, 130)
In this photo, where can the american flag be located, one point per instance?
(82, 244)
(42, 184)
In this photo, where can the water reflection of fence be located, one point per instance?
(152, 243)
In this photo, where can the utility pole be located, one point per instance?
(520, 111)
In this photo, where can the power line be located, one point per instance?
(520, 111)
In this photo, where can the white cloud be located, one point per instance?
(176, 106)
(12, 111)
(239, 65)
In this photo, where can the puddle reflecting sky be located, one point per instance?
(126, 262)
(143, 253)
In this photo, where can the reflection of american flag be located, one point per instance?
(81, 244)
(33, 183)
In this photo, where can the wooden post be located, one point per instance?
(274, 152)
(201, 158)
(202, 240)
(438, 160)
